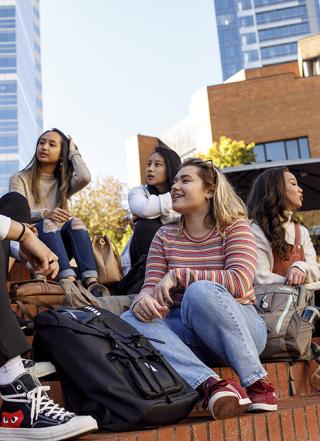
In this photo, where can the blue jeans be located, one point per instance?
(72, 240)
(210, 323)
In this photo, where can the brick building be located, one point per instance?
(275, 106)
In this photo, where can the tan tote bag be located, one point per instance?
(107, 260)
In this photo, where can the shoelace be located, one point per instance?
(261, 386)
(39, 403)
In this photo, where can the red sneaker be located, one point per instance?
(225, 398)
(263, 397)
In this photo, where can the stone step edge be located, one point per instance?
(298, 420)
(280, 374)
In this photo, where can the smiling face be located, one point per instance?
(188, 193)
(293, 193)
(49, 148)
(156, 172)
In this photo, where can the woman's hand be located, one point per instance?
(295, 276)
(40, 257)
(161, 291)
(57, 215)
(147, 309)
(72, 147)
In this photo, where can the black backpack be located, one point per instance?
(110, 371)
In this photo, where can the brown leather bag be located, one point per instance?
(33, 296)
(107, 260)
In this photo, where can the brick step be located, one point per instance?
(282, 375)
(296, 420)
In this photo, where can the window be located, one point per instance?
(8, 99)
(8, 141)
(311, 67)
(293, 149)
(259, 151)
(272, 2)
(251, 56)
(6, 11)
(225, 19)
(7, 36)
(246, 21)
(9, 167)
(278, 150)
(249, 38)
(275, 151)
(304, 148)
(8, 87)
(8, 113)
(9, 48)
(243, 5)
(7, 62)
(279, 50)
(282, 14)
(284, 31)
(7, 24)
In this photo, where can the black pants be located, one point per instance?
(12, 339)
(144, 231)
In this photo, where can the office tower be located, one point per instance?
(20, 85)
(256, 33)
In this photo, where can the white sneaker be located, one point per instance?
(38, 369)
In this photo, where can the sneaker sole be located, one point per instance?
(78, 425)
(42, 369)
(262, 407)
(228, 405)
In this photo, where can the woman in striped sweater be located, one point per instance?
(198, 293)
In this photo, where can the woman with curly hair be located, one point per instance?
(285, 252)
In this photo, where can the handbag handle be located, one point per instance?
(22, 302)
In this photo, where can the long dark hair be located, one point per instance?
(63, 171)
(267, 206)
(172, 161)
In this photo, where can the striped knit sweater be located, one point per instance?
(229, 260)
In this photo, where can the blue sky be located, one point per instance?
(115, 68)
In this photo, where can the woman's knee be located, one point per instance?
(77, 224)
(16, 206)
(202, 298)
(47, 226)
(202, 291)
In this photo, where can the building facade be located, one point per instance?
(276, 107)
(256, 33)
(20, 85)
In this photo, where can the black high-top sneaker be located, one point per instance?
(28, 414)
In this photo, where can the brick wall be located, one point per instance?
(267, 108)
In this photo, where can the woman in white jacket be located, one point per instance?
(150, 204)
(285, 252)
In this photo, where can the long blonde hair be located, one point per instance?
(63, 171)
(225, 206)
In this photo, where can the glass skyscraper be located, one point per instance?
(20, 85)
(255, 33)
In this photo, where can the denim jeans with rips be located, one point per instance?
(68, 242)
(210, 325)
